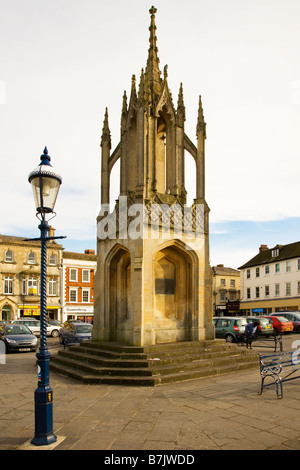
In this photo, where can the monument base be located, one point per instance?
(120, 364)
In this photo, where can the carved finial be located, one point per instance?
(165, 72)
(180, 108)
(201, 124)
(153, 10)
(141, 95)
(106, 132)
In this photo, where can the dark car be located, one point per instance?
(18, 338)
(74, 333)
(293, 316)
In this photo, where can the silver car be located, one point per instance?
(35, 326)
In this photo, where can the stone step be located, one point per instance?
(89, 378)
(87, 355)
(89, 363)
(152, 365)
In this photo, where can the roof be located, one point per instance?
(292, 250)
(223, 271)
(10, 239)
(79, 256)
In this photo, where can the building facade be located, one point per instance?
(270, 281)
(20, 273)
(226, 290)
(78, 285)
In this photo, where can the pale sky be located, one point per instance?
(64, 61)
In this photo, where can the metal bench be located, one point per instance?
(269, 341)
(280, 368)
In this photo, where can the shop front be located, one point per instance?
(85, 314)
(27, 310)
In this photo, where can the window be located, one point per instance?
(8, 285)
(298, 288)
(52, 259)
(231, 296)
(232, 282)
(277, 268)
(257, 272)
(288, 266)
(277, 290)
(223, 282)
(85, 295)
(257, 292)
(73, 295)
(288, 288)
(299, 264)
(248, 293)
(24, 291)
(73, 275)
(9, 256)
(275, 253)
(85, 275)
(52, 286)
(223, 323)
(267, 270)
(222, 296)
(32, 286)
(267, 291)
(248, 273)
(31, 258)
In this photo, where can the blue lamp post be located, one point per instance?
(45, 182)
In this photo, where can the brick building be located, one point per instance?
(78, 285)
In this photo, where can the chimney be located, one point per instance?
(89, 252)
(263, 248)
(51, 231)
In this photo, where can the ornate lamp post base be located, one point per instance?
(43, 401)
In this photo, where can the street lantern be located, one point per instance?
(45, 184)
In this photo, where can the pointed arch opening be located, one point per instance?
(190, 173)
(119, 293)
(114, 183)
(165, 172)
(174, 293)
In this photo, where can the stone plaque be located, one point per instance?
(165, 286)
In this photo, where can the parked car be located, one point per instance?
(67, 322)
(74, 333)
(293, 316)
(35, 326)
(265, 326)
(281, 324)
(230, 328)
(55, 323)
(18, 337)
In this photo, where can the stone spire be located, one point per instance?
(152, 72)
(180, 108)
(124, 113)
(201, 124)
(105, 139)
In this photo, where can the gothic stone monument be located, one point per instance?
(153, 282)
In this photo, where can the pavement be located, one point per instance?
(218, 413)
